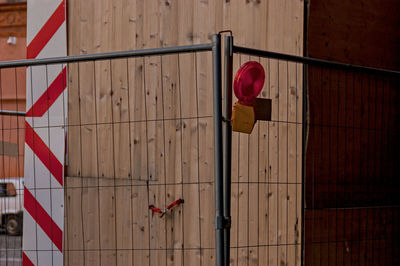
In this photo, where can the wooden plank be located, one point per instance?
(73, 236)
(206, 196)
(105, 137)
(172, 133)
(137, 101)
(138, 137)
(263, 221)
(106, 163)
(263, 173)
(74, 127)
(190, 137)
(174, 227)
(140, 224)
(154, 112)
(191, 224)
(243, 200)
(254, 160)
(87, 120)
(157, 225)
(283, 115)
(107, 220)
(155, 132)
(206, 222)
(273, 164)
(91, 216)
(294, 164)
(120, 118)
(124, 221)
(104, 120)
(253, 178)
(73, 231)
(84, 137)
(173, 160)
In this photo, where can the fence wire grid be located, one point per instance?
(316, 185)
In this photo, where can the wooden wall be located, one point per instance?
(140, 133)
(352, 186)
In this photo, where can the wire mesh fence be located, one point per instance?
(316, 185)
(266, 173)
(12, 91)
(351, 181)
(141, 133)
(349, 193)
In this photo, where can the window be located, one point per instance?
(7, 190)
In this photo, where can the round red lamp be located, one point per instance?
(249, 81)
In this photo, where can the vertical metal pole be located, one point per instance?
(227, 146)
(219, 218)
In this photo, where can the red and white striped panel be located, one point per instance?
(46, 107)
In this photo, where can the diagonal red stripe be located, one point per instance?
(43, 219)
(46, 32)
(26, 261)
(43, 153)
(49, 96)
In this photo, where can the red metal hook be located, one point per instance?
(169, 207)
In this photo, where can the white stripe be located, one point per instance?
(55, 142)
(54, 47)
(38, 13)
(52, 200)
(43, 244)
(29, 237)
(56, 112)
(42, 78)
(29, 180)
(47, 250)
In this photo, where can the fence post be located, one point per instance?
(227, 157)
(218, 170)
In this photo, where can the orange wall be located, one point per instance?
(12, 89)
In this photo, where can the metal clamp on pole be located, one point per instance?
(227, 222)
(226, 120)
(222, 222)
(219, 223)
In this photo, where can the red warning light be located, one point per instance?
(249, 81)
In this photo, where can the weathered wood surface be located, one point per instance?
(141, 133)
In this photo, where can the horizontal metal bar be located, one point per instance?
(106, 56)
(313, 61)
(16, 113)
